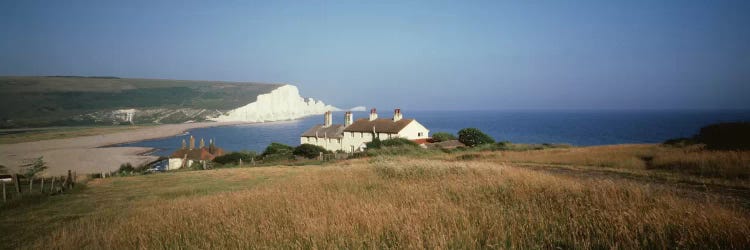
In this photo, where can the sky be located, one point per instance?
(420, 55)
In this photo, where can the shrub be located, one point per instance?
(374, 144)
(126, 168)
(278, 149)
(725, 136)
(309, 151)
(443, 136)
(398, 142)
(235, 157)
(34, 166)
(472, 137)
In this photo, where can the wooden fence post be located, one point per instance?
(31, 183)
(4, 195)
(42, 189)
(69, 180)
(52, 187)
(18, 184)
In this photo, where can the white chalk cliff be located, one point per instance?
(283, 103)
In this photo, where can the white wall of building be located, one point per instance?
(176, 163)
(355, 141)
(414, 131)
(332, 144)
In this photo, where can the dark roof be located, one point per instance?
(333, 131)
(380, 125)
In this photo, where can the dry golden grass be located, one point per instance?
(723, 164)
(388, 202)
(728, 166)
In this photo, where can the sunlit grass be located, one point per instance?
(380, 202)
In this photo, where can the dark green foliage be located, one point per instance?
(33, 167)
(394, 142)
(725, 136)
(126, 168)
(374, 144)
(234, 158)
(276, 148)
(472, 137)
(69, 101)
(443, 136)
(309, 151)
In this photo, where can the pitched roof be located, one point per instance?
(381, 125)
(333, 131)
(197, 154)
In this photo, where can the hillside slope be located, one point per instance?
(65, 101)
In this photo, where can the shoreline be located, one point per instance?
(95, 153)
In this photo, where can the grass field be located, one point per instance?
(437, 200)
(63, 132)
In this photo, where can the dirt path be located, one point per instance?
(730, 194)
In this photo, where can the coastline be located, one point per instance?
(96, 153)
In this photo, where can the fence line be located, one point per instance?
(25, 186)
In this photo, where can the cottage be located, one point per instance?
(186, 156)
(353, 135)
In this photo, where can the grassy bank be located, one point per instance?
(378, 202)
(42, 134)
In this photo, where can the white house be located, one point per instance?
(353, 135)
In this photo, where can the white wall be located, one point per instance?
(332, 144)
(356, 140)
(412, 131)
(176, 163)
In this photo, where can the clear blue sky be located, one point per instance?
(413, 54)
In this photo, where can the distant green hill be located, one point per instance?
(73, 100)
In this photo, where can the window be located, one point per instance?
(419, 134)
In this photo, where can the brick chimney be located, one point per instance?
(373, 114)
(397, 115)
(328, 119)
(348, 118)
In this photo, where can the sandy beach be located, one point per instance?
(88, 154)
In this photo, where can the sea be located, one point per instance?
(575, 127)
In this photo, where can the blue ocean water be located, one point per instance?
(582, 128)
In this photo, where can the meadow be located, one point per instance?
(491, 199)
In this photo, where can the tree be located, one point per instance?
(309, 151)
(32, 168)
(472, 137)
(443, 136)
(277, 148)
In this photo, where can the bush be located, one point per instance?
(725, 136)
(278, 149)
(394, 142)
(309, 151)
(126, 168)
(472, 137)
(235, 157)
(443, 136)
